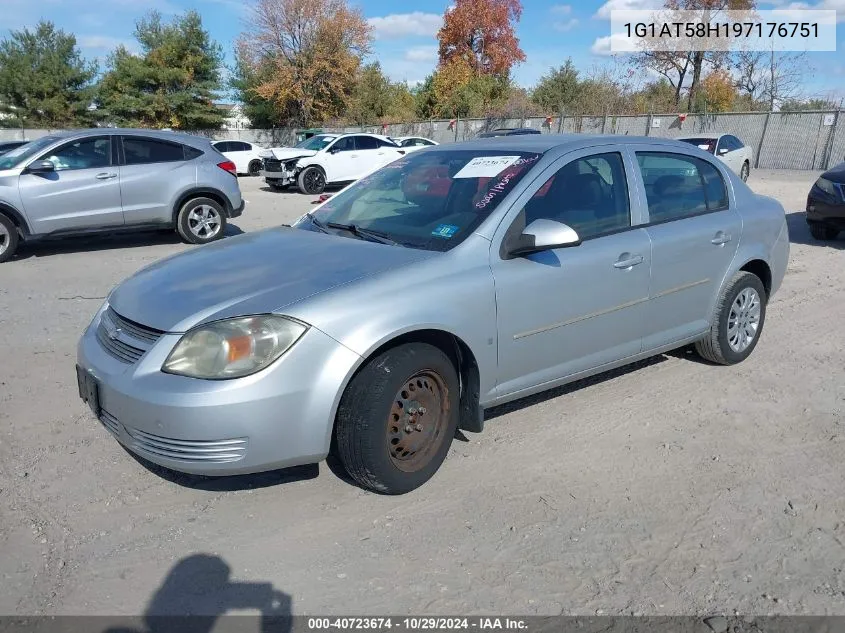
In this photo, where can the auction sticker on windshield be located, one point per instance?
(486, 166)
(445, 230)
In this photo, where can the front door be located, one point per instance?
(695, 231)
(569, 310)
(341, 159)
(83, 192)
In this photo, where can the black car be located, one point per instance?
(826, 204)
(8, 146)
(508, 131)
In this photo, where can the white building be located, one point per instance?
(235, 119)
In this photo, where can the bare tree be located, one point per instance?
(770, 77)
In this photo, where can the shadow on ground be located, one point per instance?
(799, 233)
(105, 241)
(198, 591)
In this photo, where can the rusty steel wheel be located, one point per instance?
(417, 420)
(397, 418)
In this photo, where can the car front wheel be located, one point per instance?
(738, 321)
(397, 418)
(823, 232)
(312, 181)
(200, 221)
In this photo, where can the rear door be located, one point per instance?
(82, 193)
(368, 156)
(695, 230)
(153, 172)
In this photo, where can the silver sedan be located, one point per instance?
(457, 278)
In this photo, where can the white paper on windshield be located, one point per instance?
(486, 166)
(705, 146)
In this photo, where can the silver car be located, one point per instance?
(106, 180)
(457, 278)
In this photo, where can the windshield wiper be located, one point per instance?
(317, 223)
(367, 234)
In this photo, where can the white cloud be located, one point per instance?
(399, 25)
(602, 46)
(421, 54)
(627, 5)
(831, 5)
(561, 9)
(568, 25)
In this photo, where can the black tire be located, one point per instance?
(716, 347)
(369, 428)
(254, 168)
(823, 232)
(186, 225)
(745, 171)
(9, 239)
(311, 180)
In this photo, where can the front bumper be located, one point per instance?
(825, 212)
(278, 177)
(280, 417)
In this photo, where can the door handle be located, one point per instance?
(106, 176)
(630, 262)
(721, 238)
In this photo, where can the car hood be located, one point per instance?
(286, 153)
(256, 273)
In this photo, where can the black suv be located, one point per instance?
(826, 204)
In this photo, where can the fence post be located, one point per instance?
(604, 122)
(457, 125)
(762, 138)
(560, 122)
(648, 124)
(832, 138)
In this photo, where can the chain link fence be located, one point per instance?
(780, 140)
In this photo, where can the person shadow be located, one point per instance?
(199, 590)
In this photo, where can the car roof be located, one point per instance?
(179, 137)
(545, 142)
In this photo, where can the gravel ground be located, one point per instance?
(670, 488)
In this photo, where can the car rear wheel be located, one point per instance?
(823, 232)
(8, 238)
(201, 220)
(397, 418)
(743, 173)
(738, 322)
(254, 168)
(312, 181)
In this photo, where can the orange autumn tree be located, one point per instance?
(718, 91)
(481, 33)
(308, 54)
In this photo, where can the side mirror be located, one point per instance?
(334, 150)
(543, 235)
(723, 151)
(41, 167)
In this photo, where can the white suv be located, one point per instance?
(328, 159)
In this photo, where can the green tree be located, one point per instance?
(425, 100)
(44, 80)
(244, 79)
(558, 89)
(656, 96)
(371, 97)
(172, 83)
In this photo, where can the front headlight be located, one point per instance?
(827, 186)
(233, 348)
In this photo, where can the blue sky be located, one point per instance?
(550, 31)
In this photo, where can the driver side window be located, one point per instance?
(87, 153)
(589, 194)
(345, 144)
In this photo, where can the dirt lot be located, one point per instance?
(674, 487)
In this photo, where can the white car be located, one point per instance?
(413, 143)
(246, 156)
(728, 148)
(327, 159)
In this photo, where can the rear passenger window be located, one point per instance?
(680, 186)
(589, 194)
(191, 152)
(365, 142)
(138, 151)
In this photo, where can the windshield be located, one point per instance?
(15, 157)
(315, 143)
(431, 200)
(707, 144)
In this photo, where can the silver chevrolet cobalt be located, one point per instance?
(457, 278)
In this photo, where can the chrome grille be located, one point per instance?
(211, 452)
(124, 339)
(110, 422)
